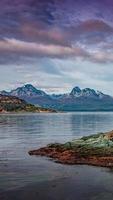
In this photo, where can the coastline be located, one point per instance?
(24, 112)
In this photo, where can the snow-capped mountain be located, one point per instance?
(87, 92)
(30, 94)
(77, 100)
(27, 90)
(76, 92)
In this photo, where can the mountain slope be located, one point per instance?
(77, 100)
(30, 94)
(14, 104)
(86, 100)
(27, 90)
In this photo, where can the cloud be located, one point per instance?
(91, 32)
(40, 50)
(93, 26)
(39, 32)
(56, 44)
(66, 74)
(101, 57)
(24, 49)
(87, 32)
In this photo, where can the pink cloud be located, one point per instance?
(37, 49)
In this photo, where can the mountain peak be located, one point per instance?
(29, 86)
(27, 90)
(77, 88)
(86, 92)
(75, 91)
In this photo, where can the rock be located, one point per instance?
(92, 150)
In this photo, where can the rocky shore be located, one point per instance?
(94, 150)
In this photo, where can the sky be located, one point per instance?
(56, 45)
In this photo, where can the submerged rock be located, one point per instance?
(92, 150)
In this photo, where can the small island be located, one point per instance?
(12, 104)
(94, 150)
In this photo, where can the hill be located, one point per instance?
(14, 104)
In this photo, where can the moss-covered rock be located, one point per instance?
(94, 150)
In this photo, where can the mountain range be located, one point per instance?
(77, 100)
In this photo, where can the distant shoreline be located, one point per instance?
(24, 112)
(58, 112)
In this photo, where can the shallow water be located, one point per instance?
(23, 132)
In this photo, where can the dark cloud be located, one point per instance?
(56, 22)
(22, 48)
(31, 30)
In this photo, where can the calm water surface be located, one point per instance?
(23, 132)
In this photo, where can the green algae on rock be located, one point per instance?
(92, 150)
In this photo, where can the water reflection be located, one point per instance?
(90, 123)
